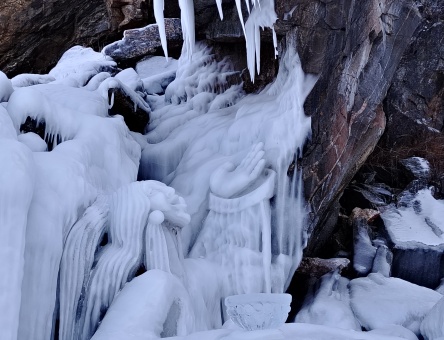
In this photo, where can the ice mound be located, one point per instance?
(153, 305)
(378, 301)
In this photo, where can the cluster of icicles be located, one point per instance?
(261, 15)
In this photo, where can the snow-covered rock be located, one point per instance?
(416, 230)
(378, 301)
(329, 304)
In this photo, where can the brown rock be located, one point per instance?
(316, 267)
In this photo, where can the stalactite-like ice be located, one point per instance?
(17, 187)
(262, 15)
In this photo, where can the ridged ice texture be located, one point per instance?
(92, 153)
(77, 262)
(91, 276)
(119, 260)
(17, 186)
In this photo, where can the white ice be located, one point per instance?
(17, 186)
(156, 73)
(432, 327)
(378, 301)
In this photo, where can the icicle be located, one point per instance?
(241, 17)
(275, 43)
(248, 5)
(187, 21)
(156, 253)
(159, 6)
(219, 8)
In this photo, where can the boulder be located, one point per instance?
(137, 43)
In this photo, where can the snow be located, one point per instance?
(33, 141)
(378, 301)
(432, 327)
(159, 6)
(79, 64)
(408, 227)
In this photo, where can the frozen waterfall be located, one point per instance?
(96, 219)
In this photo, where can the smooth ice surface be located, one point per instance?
(378, 301)
(328, 304)
(419, 225)
(432, 327)
(152, 305)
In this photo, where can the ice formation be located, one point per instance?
(87, 230)
(83, 163)
(261, 15)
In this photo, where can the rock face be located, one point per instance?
(138, 43)
(35, 33)
(415, 102)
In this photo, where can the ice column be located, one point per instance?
(17, 186)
